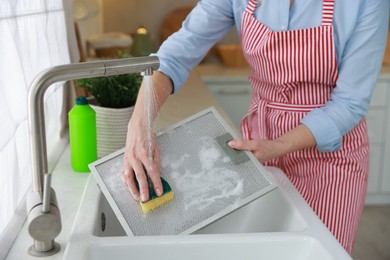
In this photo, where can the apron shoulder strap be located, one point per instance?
(250, 8)
(327, 12)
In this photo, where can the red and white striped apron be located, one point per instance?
(293, 73)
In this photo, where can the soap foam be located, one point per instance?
(211, 184)
(114, 180)
(168, 161)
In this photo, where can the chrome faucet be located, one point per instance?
(44, 219)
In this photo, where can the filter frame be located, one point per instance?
(227, 210)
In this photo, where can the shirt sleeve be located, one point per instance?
(358, 69)
(207, 23)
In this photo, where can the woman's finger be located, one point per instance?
(240, 144)
(154, 172)
(142, 180)
(127, 175)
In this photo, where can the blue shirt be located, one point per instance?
(360, 34)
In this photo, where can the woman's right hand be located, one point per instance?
(141, 153)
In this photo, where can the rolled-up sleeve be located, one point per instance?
(207, 23)
(359, 68)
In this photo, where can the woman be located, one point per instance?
(314, 65)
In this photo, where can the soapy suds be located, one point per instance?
(114, 180)
(168, 161)
(208, 157)
(226, 160)
(211, 184)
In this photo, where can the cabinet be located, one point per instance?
(378, 121)
(234, 94)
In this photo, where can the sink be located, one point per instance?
(278, 225)
(272, 213)
(213, 247)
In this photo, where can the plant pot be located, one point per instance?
(111, 128)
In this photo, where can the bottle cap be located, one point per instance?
(82, 100)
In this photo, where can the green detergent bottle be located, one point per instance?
(82, 132)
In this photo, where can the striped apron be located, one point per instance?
(293, 73)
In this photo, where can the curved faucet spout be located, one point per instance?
(37, 126)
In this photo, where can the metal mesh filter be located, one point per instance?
(206, 182)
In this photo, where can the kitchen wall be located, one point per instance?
(89, 17)
(128, 15)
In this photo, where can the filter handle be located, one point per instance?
(236, 156)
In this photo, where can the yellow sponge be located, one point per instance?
(154, 200)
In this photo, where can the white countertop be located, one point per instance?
(69, 187)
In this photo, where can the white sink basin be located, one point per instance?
(279, 225)
(232, 247)
(272, 213)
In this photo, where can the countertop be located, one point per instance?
(385, 70)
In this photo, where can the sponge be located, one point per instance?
(154, 200)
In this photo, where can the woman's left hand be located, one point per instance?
(296, 139)
(264, 150)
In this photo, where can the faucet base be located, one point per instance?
(34, 252)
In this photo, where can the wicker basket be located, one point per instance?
(231, 55)
(111, 128)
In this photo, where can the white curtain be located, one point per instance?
(33, 37)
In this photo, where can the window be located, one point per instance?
(33, 38)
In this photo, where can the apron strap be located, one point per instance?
(250, 8)
(259, 107)
(327, 12)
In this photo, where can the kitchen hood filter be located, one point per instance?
(208, 183)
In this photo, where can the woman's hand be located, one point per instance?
(264, 150)
(141, 153)
(142, 156)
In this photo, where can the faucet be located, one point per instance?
(44, 218)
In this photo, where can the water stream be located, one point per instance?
(150, 108)
(153, 122)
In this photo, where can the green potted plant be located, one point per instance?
(113, 100)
